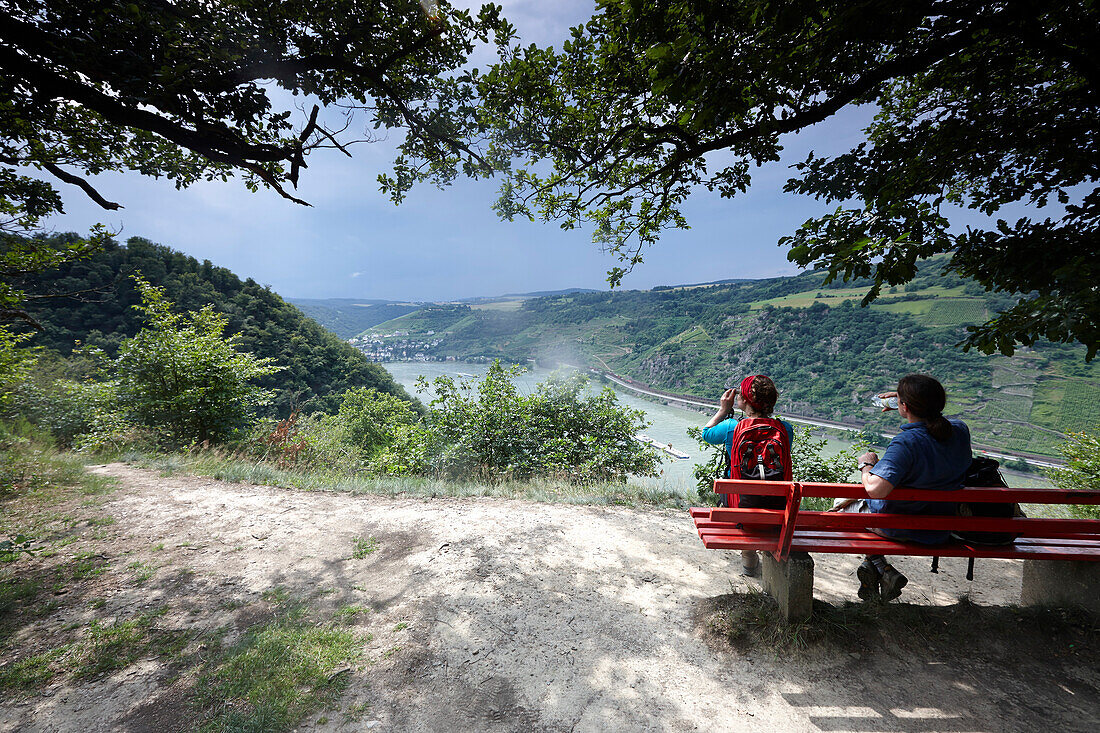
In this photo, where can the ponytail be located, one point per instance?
(939, 428)
(925, 399)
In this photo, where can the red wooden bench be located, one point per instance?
(793, 530)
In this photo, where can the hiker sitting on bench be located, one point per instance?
(761, 443)
(930, 452)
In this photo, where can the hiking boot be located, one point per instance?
(891, 584)
(750, 564)
(868, 580)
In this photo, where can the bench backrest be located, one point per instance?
(792, 516)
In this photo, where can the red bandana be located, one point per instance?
(746, 391)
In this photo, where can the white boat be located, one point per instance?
(666, 447)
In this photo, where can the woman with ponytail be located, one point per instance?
(930, 452)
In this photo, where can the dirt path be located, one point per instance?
(498, 615)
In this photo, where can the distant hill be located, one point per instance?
(347, 317)
(319, 366)
(827, 354)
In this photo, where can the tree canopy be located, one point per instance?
(980, 105)
(194, 90)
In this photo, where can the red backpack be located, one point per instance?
(761, 449)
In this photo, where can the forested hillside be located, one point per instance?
(318, 366)
(827, 354)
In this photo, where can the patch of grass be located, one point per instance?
(279, 673)
(217, 465)
(347, 614)
(363, 547)
(32, 672)
(88, 564)
(95, 485)
(102, 648)
(107, 647)
(141, 571)
(14, 590)
(101, 521)
(357, 711)
(401, 626)
(277, 595)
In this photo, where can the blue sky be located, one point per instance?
(446, 244)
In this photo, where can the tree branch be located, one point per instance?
(82, 184)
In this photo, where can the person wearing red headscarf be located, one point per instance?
(754, 397)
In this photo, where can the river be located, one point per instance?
(668, 424)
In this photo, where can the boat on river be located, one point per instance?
(665, 447)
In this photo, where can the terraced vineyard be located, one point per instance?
(955, 312)
(827, 355)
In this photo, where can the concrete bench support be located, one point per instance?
(791, 583)
(1062, 583)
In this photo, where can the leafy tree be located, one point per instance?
(180, 89)
(1082, 469)
(557, 432)
(980, 105)
(179, 372)
(370, 420)
(192, 90)
(14, 364)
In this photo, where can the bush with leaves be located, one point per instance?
(560, 431)
(181, 374)
(14, 365)
(1082, 469)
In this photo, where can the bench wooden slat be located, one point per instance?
(791, 530)
(978, 494)
(872, 544)
(1022, 526)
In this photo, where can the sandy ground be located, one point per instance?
(532, 617)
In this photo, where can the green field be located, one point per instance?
(955, 312)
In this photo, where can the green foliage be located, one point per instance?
(557, 432)
(208, 91)
(362, 547)
(14, 364)
(318, 366)
(370, 420)
(180, 373)
(21, 258)
(280, 672)
(1081, 471)
(650, 101)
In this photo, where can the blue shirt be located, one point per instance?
(916, 460)
(722, 433)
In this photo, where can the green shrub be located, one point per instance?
(559, 432)
(1082, 470)
(180, 374)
